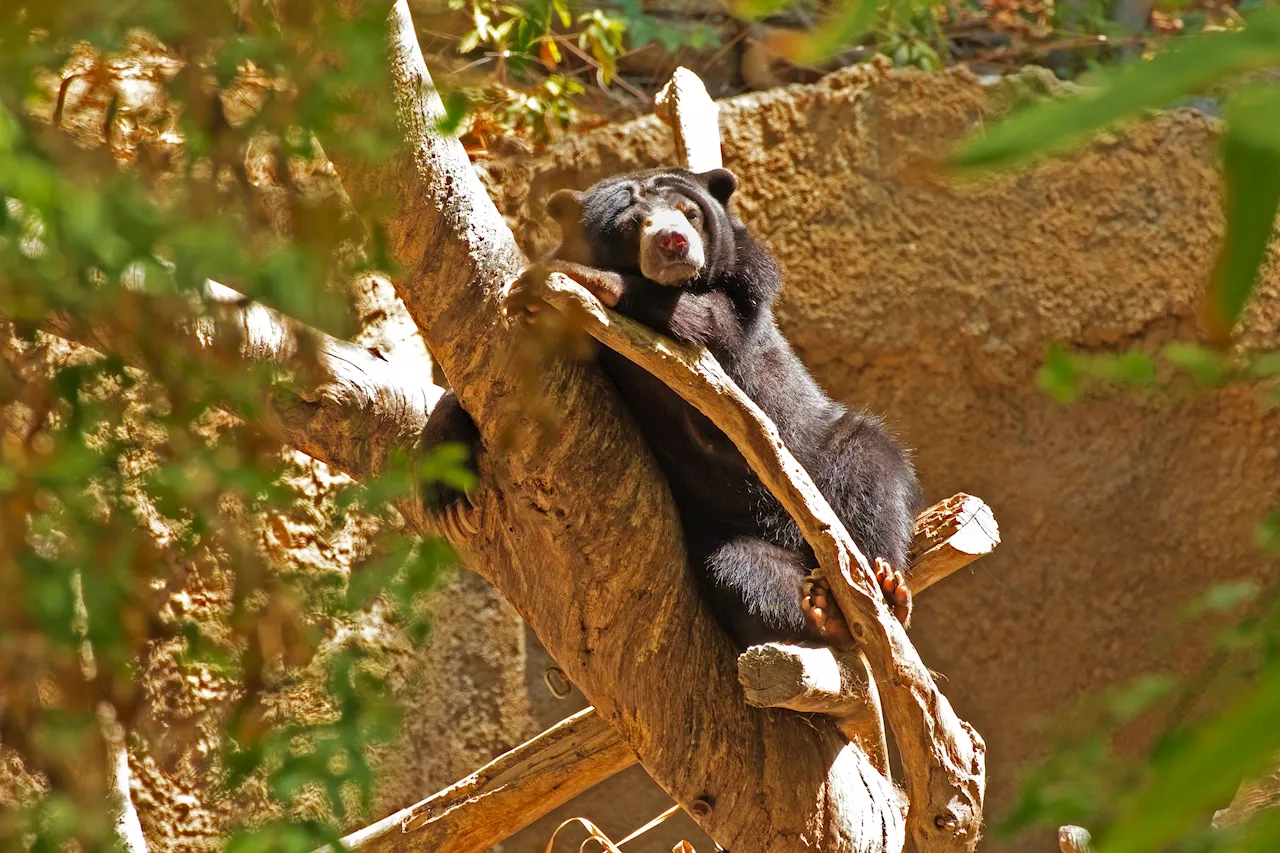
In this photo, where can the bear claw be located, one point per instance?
(823, 614)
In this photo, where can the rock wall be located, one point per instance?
(933, 306)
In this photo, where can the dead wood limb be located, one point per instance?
(128, 826)
(1252, 797)
(943, 757)
(505, 795)
(353, 415)
(949, 536)
(685, 107)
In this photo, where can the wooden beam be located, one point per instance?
(505, 795)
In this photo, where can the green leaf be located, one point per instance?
(469, 42)
(456, 108)
(850, 20)
(1190, 66)
(1251, 167)
(1058, 377)
(1206, 366)
(1266, 535)
(1200, 771)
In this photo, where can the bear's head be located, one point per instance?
(670, 225)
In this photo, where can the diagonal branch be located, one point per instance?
(354, 413)
(943, 757)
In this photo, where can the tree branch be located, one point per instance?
(353, 415)
(686, 108)
(943, 756)
(505, 795)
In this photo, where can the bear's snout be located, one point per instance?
(674, 243)
(670, 249)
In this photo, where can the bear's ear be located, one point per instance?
(565, 206)
(721, 183)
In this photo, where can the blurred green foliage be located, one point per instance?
(124, 185)
(1218, 727)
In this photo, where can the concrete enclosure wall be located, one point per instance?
(934, 306)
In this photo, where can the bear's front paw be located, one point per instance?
(523, 298)
(896, 593)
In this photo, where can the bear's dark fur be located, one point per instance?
(748, 552)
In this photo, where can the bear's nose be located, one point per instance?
(674, 242)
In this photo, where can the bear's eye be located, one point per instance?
(691, 214)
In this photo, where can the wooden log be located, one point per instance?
(505, 795)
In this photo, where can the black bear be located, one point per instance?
(664, 248)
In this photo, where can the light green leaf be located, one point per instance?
(1251, 166)
(1200, 772)
(1189, 67)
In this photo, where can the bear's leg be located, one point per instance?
(754, 588)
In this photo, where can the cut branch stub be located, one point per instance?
(685, 107)
(949, 536)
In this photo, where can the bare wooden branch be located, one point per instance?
(685, 107)
(128, 826)
(353, 415)
(943, 756)
(1253, 796)
(505, 795)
